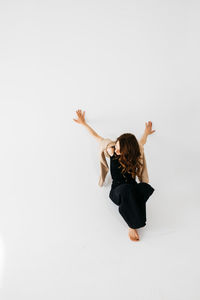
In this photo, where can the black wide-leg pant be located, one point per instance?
(131, 200)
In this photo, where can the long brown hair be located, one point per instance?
(129, 157)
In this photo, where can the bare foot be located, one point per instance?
(133, 234)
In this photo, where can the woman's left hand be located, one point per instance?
(148, 128)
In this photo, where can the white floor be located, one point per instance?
(87, 254)
(124, 63)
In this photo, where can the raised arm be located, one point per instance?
(81, 120)
(148, 130)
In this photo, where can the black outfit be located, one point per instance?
(129, 195)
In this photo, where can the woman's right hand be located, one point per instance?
(148, 128)
(81, 117)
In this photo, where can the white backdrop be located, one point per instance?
(124, 63)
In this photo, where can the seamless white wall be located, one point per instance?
(124, 63)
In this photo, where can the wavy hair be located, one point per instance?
(129, 157)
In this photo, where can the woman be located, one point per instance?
(125, 165)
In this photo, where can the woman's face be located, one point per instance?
(117, 148)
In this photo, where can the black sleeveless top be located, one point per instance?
(116, 174)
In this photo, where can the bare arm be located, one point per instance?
(92, 132)
(143, 138)
(81, 120)
(148, 130)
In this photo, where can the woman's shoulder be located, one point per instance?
(105, 144)
(111, 151)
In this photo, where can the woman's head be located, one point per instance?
(126, 144)
(128, 150)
